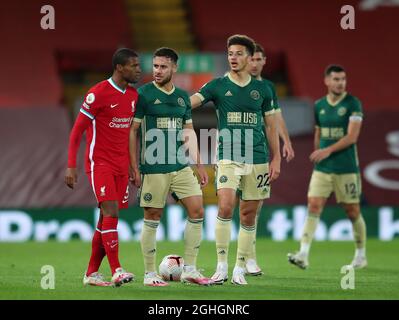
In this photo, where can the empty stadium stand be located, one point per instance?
(33, 160)
(157, 23)
(29, 54)
(310, 34)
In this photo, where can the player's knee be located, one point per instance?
(225, 211)
(152, 214)
(315, 207)
(197, 213)
(352, 211)
(110, 209)
(247, 211)
(248, 219)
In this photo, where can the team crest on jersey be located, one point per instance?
(133, 105)
(181, 102)
(90, 98)
(147, 197)
(254, 94)
(223, 179)
(341, 111)
(102, 191)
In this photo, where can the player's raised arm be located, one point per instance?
(81, 124)
(273, 140)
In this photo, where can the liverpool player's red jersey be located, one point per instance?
(111, 110)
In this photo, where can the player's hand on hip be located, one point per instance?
(319, 155)
(71, 177)
(203, 175)
(288, 152)
(274, 169)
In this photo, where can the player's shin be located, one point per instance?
(222, 237)
(312, 220)
(109, 236)
(359, 233)
(244, 244)
(192, 240)
(252, 253)
(148, 244)
(97, 250)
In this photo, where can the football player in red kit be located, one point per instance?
(106, 115)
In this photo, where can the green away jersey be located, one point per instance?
(276, 105)
(162, 116)
(333, 120)
(240, 110)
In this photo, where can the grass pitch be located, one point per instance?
(20, 272)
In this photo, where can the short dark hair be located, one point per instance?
(259, 48)
(122, 56)
(242, 40)
(168, 53)
(333, 68)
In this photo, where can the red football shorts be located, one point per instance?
(109, 187)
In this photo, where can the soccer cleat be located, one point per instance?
(252, 268)
(153, 280)
(96, 279)
(238, 277)
(298, 259)
(359, 262)
(121, 276)
(220, 276)
(195, 277)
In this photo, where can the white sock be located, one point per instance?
(150, 274)
(188, 268)
(360, 252)
(305, 247)
(222, 265)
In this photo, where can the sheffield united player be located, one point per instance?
(106, 115)
(338, 117)
(241, 102)
(165, 110)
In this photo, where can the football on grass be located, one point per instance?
(171, 267)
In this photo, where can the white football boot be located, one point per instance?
(96, 279)
(299, 260)
(238, 277)
(220, 276)
(121, 276)
(252, 268)
(153, 280)
(359, 262)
